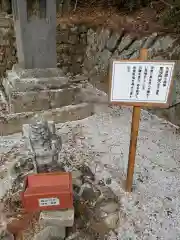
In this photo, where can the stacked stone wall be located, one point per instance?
(7, 45)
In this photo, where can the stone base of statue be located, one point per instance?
(46, 91)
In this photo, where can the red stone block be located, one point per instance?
(48, 191)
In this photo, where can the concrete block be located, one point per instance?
(63, 218)
(50, 232)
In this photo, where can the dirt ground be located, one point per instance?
(143, 21)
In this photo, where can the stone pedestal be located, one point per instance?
(38, 89)
(61, 218)
(47, 92)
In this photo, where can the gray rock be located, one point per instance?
(90, 62)
(104, 57)
(125, 42)
(73, 39)
(113, 40)
(62, 36)
(174, 53)
(79, 236)
(88, 193)
(162, 44)
(83, 29)
(74, 29)
(77, 182)
(51, 233)
(150, 40)
(76, 178)
(89, 51)
(112, 220)
(135, 55)
(135, 46)
(115, 54)
(91, 37)
(13, 169)
(83, 38)
(110, 207)
(76, 174)
(102, 39)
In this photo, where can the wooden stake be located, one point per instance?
(134, 135)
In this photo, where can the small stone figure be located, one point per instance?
(42, 140)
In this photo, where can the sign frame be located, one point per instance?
(136, 114)
(140, 104)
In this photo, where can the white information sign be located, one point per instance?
(141, 82)
(48, 202)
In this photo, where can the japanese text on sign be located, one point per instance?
(48, 202)
(143, 82)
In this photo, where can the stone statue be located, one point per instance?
(43, 141)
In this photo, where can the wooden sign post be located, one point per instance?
(134, 135)
(140, 83)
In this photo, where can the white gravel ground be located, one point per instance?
(152, 211)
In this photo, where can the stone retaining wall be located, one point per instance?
(101, 45)
(71, 47)
(7, 45)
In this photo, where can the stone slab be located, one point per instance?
(64, 218)
(30, 101)
(90, 94)
(37, 73)
(51, 232)
(41, 100)
(14, 83)
(12, 123)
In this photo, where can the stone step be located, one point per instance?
(14, 83)
(37, 73)
(12, 123)
(42, 100)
